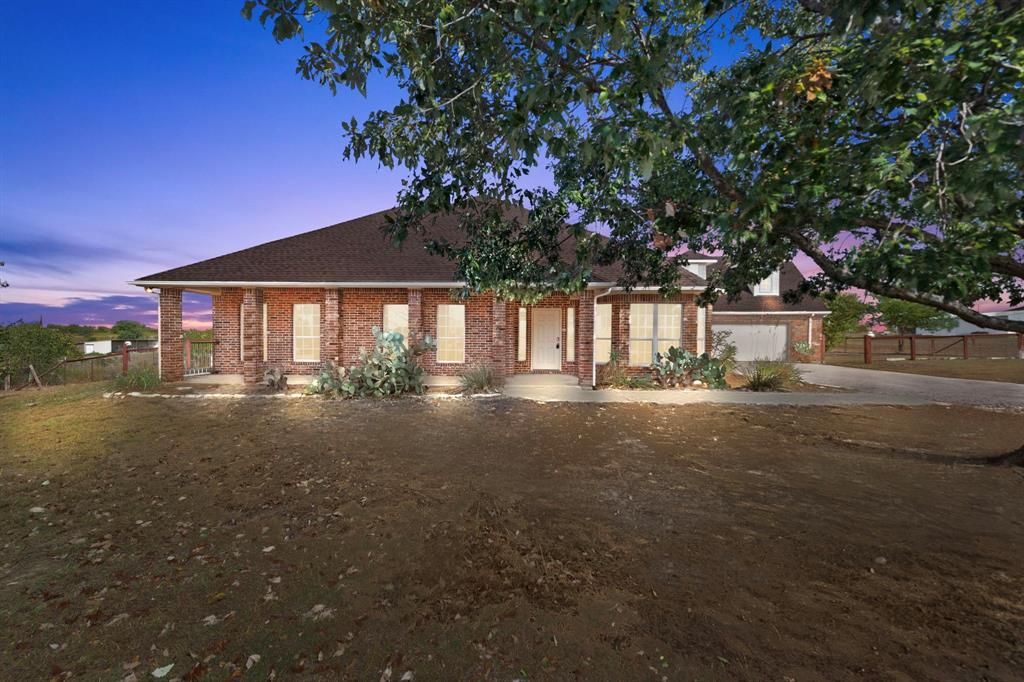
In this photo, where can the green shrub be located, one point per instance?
(724, 350)
(26, 343)
(390, 368)
(481, 378)
(676, 367)
(712, 372)
(140, 378)
(803, 348)
(770, 375)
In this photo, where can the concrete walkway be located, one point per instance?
(575, 394)
(917, 386)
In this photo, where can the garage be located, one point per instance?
(757, 341)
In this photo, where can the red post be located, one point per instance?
(966, 355)
(124, 359)
(188, 353)
(913, 348)
(867, 349)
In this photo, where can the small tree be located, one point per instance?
(23, 344)
(846, 316)
(906, 318)
(127, 330)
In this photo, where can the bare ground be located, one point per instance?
(506, 540)
(985, 369)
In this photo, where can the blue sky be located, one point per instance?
(140, 136)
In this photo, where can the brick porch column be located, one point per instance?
(414, 297)
(585, 335)
(252, 318)
(172, 361)
(499, 337)
(330, 335)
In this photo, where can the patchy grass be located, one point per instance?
(1004, 370)
(503, 539)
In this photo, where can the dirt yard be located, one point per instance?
(495, 539)
(1009, 371)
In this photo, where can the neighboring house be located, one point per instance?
(964, 327)
(105, 346)
(763, 326)
(296, 302)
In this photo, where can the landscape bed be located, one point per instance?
(503, 539)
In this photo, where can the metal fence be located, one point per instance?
(198, 357)
(89, 368)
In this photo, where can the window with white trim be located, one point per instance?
(451, 333)
(769, 286)
(602, 332)
(241, 332)
(570, 335)
(264, 332)
(653, 328)
(306, 332)
(521, 336)
(699, 269)
(396, 318)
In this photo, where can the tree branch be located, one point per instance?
(843, 275)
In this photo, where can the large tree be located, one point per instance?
(884, 139)
(903, 317)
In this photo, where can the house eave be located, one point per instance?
(211, 284)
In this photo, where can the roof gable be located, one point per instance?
(352, 252)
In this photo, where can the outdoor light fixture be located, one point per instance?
(148, 290)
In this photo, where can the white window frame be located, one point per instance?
(699, 269)
(600, 308)
(449, 333)
(264, 332)
(769, 286)
(241, 332)
(570, 334)
(657, 310)
(402, 310)
(296, 336)
(521, 336)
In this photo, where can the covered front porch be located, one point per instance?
(296, 329)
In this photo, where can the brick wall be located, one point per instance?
(479, 330)
(226, 350)
(361, 311)
(563, 303)
(348, 316)
(620, 324)
(172, 362)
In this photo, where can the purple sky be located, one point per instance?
(136, 137)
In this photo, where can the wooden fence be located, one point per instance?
(919, 347)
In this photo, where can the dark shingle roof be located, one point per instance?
(789, 280)
(354, 251)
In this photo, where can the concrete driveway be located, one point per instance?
(931, 389)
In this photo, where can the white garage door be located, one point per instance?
(757, 341)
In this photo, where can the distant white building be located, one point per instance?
(105, 346)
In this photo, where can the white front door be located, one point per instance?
(547, 338)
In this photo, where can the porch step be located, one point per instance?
(524, 380)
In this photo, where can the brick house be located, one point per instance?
(763, 325)
(296, 302)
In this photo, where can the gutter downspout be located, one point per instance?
(593, 341)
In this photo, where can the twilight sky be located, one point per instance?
(140, 136)
(135, 137)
